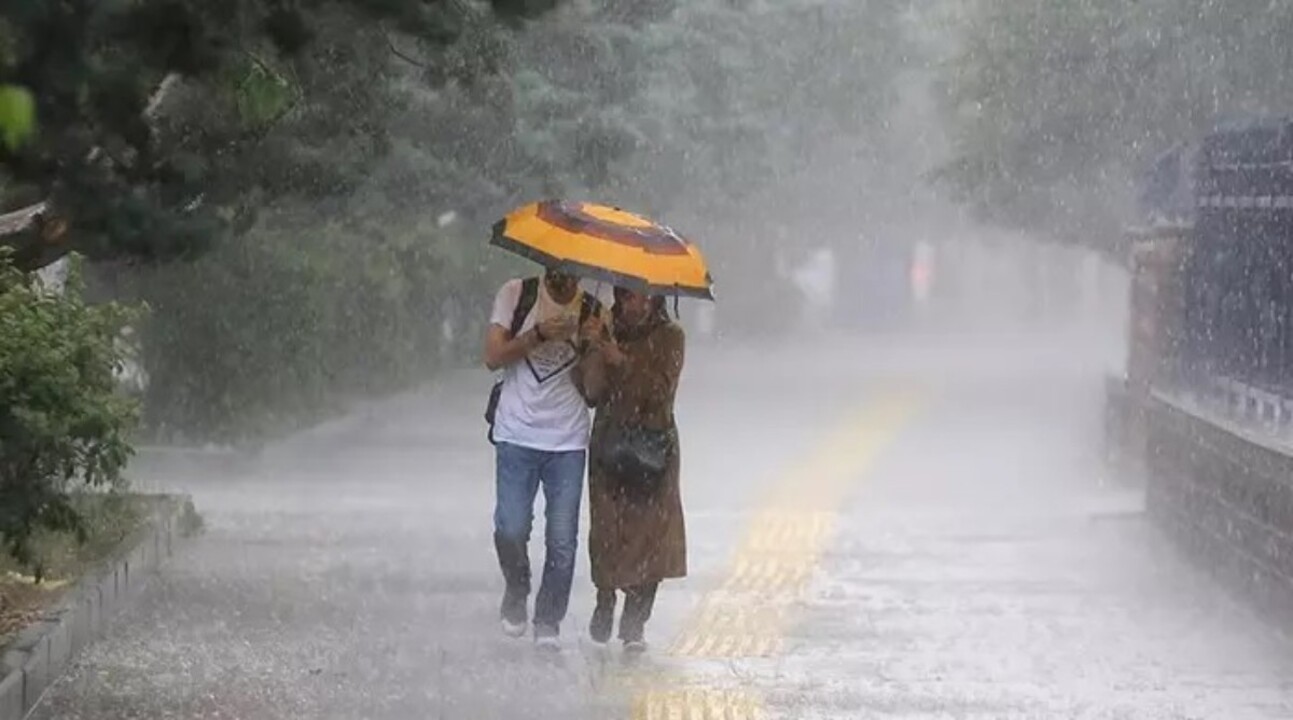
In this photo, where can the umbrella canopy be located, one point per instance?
(608, 244)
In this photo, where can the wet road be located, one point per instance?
(907, 528)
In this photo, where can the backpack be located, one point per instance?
(529, 295)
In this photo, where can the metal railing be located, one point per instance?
(1256, 410)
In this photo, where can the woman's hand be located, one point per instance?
(600, 340)
(611, 352)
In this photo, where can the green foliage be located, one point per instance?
(62, 421)
(17, 116)
(263, 95)
(694, 107)
(106, 521)
(281, 328)
(736, 103)
(166, 124)
(1054, 105)
(297, 155)
(678, 110)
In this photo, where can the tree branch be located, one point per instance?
(32, 216)
(15, 222)
(402, 55)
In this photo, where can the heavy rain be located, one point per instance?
(528, 359)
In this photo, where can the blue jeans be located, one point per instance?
(519, 473)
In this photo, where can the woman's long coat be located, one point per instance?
(633, 542)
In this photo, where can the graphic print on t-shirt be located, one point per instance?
(550, 359)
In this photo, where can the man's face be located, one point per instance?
(561, 286)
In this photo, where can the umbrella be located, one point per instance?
(606, 244)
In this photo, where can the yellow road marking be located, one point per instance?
(697, 705)
(748, 614)
(731, 629)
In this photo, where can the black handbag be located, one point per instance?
(637, 458)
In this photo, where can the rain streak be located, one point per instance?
(646, 359)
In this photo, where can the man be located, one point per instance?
(540, 429)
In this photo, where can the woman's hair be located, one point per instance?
(658, 308)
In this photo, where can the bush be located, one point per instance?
(107, 520)
(292, 322)
(63, 422)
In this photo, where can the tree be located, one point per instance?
(299, 171)
(1055, 106)
(63, 424)
(775, 99)
(737, 95)
(253, 143)
(162, 123)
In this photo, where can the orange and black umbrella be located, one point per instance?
(607, 244)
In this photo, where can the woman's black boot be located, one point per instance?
(603, 622)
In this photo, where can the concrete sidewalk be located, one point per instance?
(910, 528)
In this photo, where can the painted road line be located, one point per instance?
(728, 629)
(698, 704)
(748, 614)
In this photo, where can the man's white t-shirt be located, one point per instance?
(539, 406)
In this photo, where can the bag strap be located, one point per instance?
(525, 303)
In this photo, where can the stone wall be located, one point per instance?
(34, 659)
(1218, 483)
(1226, 496)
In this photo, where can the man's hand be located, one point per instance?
(558, 328)
(501, 349)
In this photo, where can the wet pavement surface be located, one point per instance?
(896, 528)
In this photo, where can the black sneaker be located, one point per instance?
(514, 615)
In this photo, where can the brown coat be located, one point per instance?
(635, 542)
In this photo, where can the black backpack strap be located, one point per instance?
(525, 303)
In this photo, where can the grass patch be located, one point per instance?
(61, 559)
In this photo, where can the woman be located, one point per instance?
(637, 536)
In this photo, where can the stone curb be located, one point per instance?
(41, 652)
